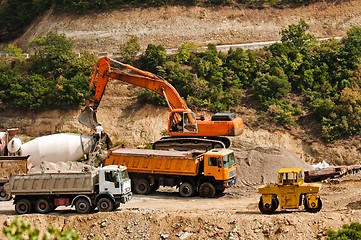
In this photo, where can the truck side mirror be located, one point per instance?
(219, 163)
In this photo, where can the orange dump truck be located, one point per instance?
(208, 173)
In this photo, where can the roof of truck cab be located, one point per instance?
(288, 170)
(150, 152)
(114, 167)
(219, 151)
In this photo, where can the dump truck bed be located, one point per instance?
(54, 183)
(12, 165)
(155, 161)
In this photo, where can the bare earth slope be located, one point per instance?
(260, 150)
(172, 26)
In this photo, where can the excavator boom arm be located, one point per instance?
(143, 79)
(147, 80)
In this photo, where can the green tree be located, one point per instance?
(18, 52)
(244, 64)
(348, 231)
(351, 48)
(184, 52)
(281, 112)
(52, 52)
(268, 87)
(295, 35)
(153, 58)
(130, 49)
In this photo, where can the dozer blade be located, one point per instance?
(88, 117)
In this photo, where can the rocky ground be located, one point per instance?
(260, 151)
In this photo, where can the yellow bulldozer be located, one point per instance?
(290, 192)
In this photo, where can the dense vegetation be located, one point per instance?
(16, 15)
(295, 77)
(324, 76)
(54, 77)
(347, 232)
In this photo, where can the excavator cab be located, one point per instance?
(183, 122)
(189, 123)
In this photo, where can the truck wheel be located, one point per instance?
(82, 206)
(23, 206)
(186, 189)
(142, 187)
(43, 206)
(207, 190)
(268, 208)
(5, 196)
(105, 205)
(310, 209)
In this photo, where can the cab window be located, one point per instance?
(212, 161)
(124, 175)
(229, 160)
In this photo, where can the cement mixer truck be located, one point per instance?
(104, 188)
(60, 147)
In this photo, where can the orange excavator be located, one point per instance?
(186, 131)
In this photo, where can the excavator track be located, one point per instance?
(189, 144)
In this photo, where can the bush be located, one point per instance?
(348, 231)
(268, 87)
(55, 77)
(153, 58)
(281, 112)
(130, 49)
(19, 229)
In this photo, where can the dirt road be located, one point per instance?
(234, 215)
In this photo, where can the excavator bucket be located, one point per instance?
(88, 117)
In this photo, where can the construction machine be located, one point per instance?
(290, 192)
(186, 131)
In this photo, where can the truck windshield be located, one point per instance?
(229, 160)
(124, 175)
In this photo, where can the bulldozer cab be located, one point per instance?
(290, 176)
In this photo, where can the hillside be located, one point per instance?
(172, 26)
(128, 122)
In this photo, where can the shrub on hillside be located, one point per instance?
(20, 229)
(348, 231)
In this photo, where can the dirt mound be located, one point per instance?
(258, 165)
(60, 167)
